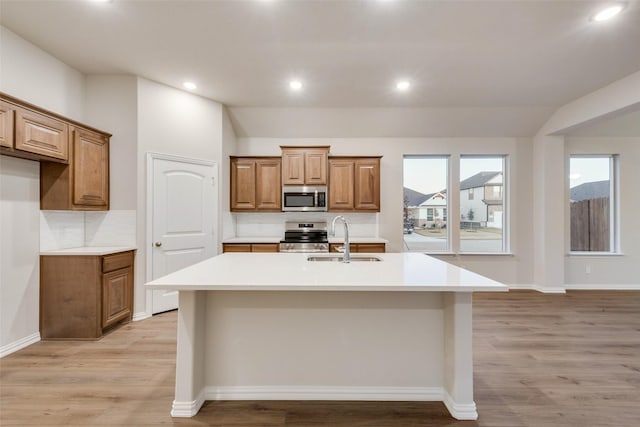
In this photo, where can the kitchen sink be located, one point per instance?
(340, 258)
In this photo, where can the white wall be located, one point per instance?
(515, 269)
(33, 75)
(175, 122)
(112, 106)
(611, 271)
(226, 221)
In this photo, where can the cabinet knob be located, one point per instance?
(158, 244)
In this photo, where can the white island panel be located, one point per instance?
(398, 329)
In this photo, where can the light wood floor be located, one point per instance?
(540, 360)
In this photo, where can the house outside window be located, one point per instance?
(592, 203)
(482, 219)
(425, 202)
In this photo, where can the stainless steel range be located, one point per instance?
(305, 237)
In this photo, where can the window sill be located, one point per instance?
(470, 253)
(594, 254)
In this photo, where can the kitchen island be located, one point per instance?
(274, 326)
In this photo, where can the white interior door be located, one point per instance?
(183, 216)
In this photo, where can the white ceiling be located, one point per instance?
(528, 56)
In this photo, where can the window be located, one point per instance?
(592, 199)
(482, 219)
(425, 203)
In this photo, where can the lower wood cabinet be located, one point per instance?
(83, 296)
(360, 247)
(250, 247)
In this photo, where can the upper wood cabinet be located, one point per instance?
(39, 134)
(6, 125)
(74, 158)
(83, 184)
(256, 184)
(354, 184)
(304, 165)
(31, 134)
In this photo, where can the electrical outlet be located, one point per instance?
(587, 269)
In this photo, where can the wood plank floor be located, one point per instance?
(540, 360)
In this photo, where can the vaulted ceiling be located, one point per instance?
(511, 61)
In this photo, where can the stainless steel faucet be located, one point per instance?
(347, 252)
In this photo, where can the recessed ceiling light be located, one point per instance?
(190, 85)
(607, 13)
(295, 84)
(101, 1)
(403, 85)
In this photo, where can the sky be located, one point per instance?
(588, 169)
(429, 175)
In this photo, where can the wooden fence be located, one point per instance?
(590, 225)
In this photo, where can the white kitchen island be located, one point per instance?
(273, 326)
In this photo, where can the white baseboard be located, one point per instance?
(425, 394)
(6, 350)
(602, 287)
(324, 393)
(466, 411)
(188, 409)
(141, 315)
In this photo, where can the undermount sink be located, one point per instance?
(340, 258)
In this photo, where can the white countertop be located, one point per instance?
(276, 239)
(89, 250)
(292, 272)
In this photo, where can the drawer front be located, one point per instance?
(117, 261)
(236, 247)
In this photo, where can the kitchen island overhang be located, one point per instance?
(259, 326)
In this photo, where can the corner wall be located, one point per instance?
(170, 121)
(33, 75)
(611, 271)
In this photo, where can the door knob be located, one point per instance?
(158, 244)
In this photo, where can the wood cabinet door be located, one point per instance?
(371, 247)
(265, 247)
(6, 125)
(117, 289)
(243, 184)
(293, 167)
(268, 186)
(341, 181)
(315, 167)
(90, 169)
(40, 134)
(367, 184)
(236, 247)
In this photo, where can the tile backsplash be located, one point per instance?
(272, 224)
(69, 229)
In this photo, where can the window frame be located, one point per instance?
(614, 200)
(453, 206)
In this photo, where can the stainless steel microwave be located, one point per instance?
(305, 198)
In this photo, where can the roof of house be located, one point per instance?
(590, 190)
(414, 198)
(478, 180)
